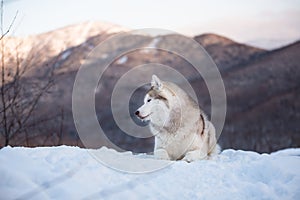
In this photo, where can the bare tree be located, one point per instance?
(19, 94)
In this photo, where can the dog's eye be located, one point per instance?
(148, 100)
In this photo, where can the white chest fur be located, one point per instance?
(178, 143)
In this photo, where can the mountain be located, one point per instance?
(261, 86)
(262, 101)
(54, 42)
(43, 49)
(227, 53)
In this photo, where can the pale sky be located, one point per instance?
(263, 23)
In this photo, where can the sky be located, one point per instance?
(263, 23)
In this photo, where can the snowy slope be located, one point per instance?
(72, 173)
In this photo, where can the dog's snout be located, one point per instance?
(137, 112)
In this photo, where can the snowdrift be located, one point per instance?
(73, 173)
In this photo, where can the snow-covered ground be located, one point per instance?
(73, 173)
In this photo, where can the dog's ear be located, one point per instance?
(156, 82)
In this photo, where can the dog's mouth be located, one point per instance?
(144, 117)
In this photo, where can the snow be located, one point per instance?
(66, 54)
(74, 173)
(153, 44)
(63, 57)
(122, 60)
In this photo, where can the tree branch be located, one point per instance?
(3, 34)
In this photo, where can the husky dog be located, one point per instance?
(181, 129)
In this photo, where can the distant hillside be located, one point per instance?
(262, 86)
(227, 53)
(262, 102)
(45, 48)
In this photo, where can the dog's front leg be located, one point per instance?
(161, 154)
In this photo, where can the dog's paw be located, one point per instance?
(189, 157)
(193, 156)
(161, 154)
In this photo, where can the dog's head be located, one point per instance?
(157, 103)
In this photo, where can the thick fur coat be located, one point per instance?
(181, 129)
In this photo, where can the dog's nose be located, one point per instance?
(137, 112)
